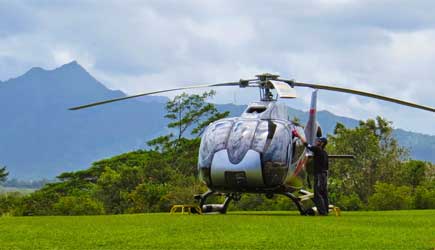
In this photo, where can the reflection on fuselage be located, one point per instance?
(252, 153)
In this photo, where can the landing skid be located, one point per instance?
(297, 200)
(222, 208)
(215, 208)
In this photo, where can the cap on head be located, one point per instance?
(323, 140)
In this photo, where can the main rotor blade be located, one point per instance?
(358, 92)
(155, 92)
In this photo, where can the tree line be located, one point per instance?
(381, 177)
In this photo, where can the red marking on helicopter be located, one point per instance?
(300, 166)
(312, 111)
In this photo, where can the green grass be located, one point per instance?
(251, 230)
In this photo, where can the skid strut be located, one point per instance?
(297, 202)
(222, 208)
(215, 208)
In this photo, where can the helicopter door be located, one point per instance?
(275, 155)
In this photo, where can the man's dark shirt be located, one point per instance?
(320, 158)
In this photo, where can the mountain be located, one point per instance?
(40, 138)
(421, 146)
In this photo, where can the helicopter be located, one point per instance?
(257, 151)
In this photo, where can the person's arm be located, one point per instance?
(312, 148)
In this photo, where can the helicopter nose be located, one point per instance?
(245, 173)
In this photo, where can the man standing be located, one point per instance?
(321, 166)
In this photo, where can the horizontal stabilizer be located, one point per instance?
(341, 156)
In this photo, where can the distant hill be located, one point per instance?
(40, 138)
(421, 146)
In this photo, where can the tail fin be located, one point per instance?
(312, 125)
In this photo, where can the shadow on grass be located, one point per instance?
(264, 213)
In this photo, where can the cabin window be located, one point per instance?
(256, 109)
(277, 143)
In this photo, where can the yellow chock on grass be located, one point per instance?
(186, 209)
(336, 211)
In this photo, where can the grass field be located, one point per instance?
(251, 230)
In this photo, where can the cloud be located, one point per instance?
(379, 46)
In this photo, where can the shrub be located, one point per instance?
(73, 205)
(10, 203)
(147, 197)
(350, 202)
(424, 197)
(39, 203)
(391, 197)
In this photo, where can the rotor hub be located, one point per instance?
(267, 77)
(265, 87)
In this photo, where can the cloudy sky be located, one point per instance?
(387, 47)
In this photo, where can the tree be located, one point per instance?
(424, 197)
(184, 112)
(3, 174)
(139, 181)
(147, 197)
(78, 205)
(413, 173)
(10, 203)
(378, 158)
(391, 197)
(109, 191)
(353, 176)
(387, 167)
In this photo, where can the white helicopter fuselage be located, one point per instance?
(255, 152)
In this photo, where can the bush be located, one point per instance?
(10, 203)
(73, 205)
(39, 203)
(350, 202)
(391, 197)
(424, 198)
(147, 197)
